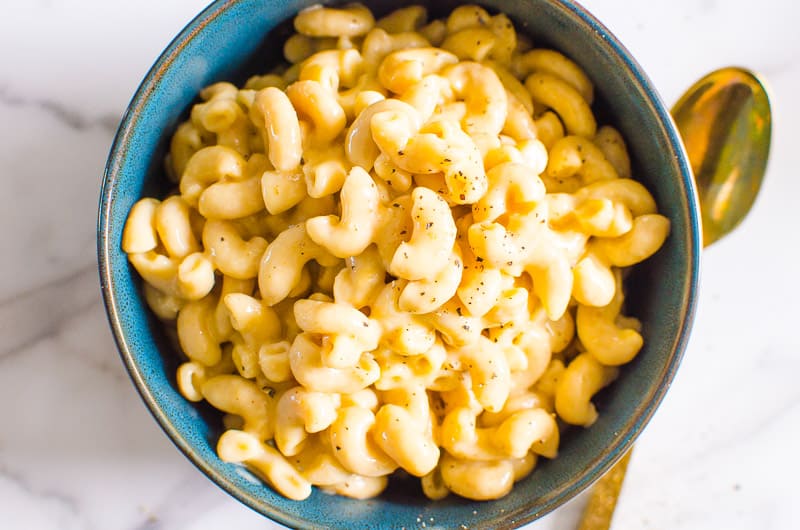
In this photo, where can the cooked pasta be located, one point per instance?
(403, 252)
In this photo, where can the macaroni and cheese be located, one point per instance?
(403, 251)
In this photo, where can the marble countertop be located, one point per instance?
(78, 450)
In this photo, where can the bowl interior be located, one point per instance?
(234, 39)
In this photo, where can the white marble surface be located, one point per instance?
(78, 449)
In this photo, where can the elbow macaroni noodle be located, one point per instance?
(405, 251)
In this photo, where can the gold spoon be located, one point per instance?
(725, 122)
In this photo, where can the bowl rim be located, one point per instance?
(603, 463)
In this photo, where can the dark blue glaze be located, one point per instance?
(228, 41)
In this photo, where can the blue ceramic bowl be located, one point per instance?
(233, 39)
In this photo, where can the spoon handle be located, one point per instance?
(603, 499)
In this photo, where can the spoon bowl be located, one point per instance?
(725, 121)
